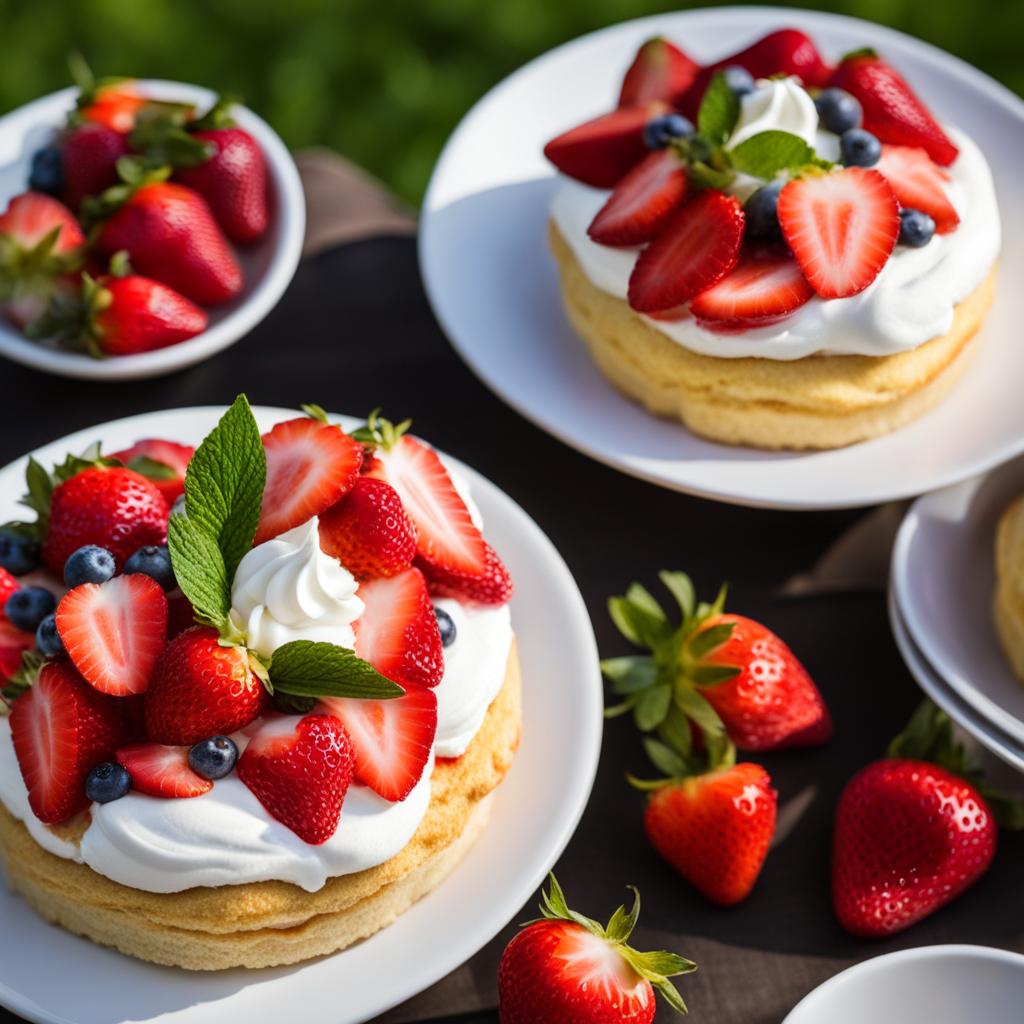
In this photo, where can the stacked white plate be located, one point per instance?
(940, 604)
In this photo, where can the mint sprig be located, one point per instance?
(304, 668)
(201, 572)
(769, 153)
(224, 483)
(719, 111)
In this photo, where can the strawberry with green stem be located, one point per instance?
(727, 673)
(568, 968)
(914, 830)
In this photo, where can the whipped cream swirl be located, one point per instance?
(288, 589)
(777, 105)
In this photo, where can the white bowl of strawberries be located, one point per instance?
(160, 227)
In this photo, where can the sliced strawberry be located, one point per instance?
(763, 288)
(660, 71)
(369, 531)
(600, 152)
(61, 729)
(114, 631)
(163, 771)
(13, 642)
(490, 584)
(173, 459)
(398, 632)
(841, 227)
(391, 739)
(642, 202)
(8, 585)
(698, 246)
(919, 184)
(444, 526)
(311, 465)
(300, 770)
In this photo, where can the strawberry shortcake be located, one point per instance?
(776, 251)
(256, 697)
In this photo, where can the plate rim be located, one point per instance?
(589, 729)
(746, 16)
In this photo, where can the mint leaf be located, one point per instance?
(719, 111)
(766, 154)
(224, 484)
(200, 570)
(304, 668)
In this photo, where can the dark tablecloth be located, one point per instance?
(355, 331)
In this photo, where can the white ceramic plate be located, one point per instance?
(990, 736)
(269, 265)
(493, 285)
(943, 576)
(928, 985)
(536, 811)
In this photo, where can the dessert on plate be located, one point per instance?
(257, 697)
(776, 251)
(1008, 602)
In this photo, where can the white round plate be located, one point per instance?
(992, 738)
(927, 985)
(536, 812)
(269, 264)
(943, 575)
(493, 284)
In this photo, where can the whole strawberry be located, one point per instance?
(912, 834)
(89, 156)
(113, 507)
(61, 729)
(369, 531)
(163, 462)
(728, 670)
(234, 183)
(170, 235)
(300, 770)
(660, 71)
(568, 969)
(121, 315)
(892, 110)
(200, 689)
(715, 828)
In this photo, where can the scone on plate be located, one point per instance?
(777, 252)
(260, 728)
(1008, 603)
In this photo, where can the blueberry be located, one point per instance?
(762, 212)
(739, 80)
(27, 607)
(838, 110)
(18, 555)
(48, 640)
(47, 173)
(446, 624)
(106, 782)
(89, 564)
(859, 148)
(916, 228)
(213, 758)
(660, 131)
(155, 562)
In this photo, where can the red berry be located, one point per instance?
(300, 770)
(162, 771)
(172, 457)
(369, 531)
(200, 689)
(114, 631)
(660, 71)
(61, 729)
(310, 467)
(116, 508)
(919, 185)
(89, 156)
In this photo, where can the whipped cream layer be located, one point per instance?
(909, 303)
(225, 836)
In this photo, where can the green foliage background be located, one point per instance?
(385, 81)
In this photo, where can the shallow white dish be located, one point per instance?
(943, 575)
(269, 265)
(494, 288)
(990, 736)
(928, 985)
(531, 823)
